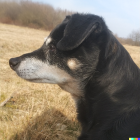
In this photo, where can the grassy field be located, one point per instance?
(36, 111)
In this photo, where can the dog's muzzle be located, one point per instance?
(14, 63)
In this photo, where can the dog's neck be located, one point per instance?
(116, 74)
(74, 88)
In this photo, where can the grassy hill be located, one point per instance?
(36, 111)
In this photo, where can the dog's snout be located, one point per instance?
(14, 62)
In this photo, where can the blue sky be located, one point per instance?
(121, 16)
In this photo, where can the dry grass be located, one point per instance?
(134, 51)
(36, 111)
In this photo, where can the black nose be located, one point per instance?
(14, 62)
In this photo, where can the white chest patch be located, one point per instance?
(73, 64)
(48, 40)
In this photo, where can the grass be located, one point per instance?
(36, 111)
(134, 51)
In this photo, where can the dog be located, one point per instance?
(84, 58)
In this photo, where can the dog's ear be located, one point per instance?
(78, 28)
(67, 18)
(58, 32)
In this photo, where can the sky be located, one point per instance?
(121, 16)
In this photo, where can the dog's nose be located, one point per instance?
(14, 62)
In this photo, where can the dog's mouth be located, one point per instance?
(37, 80)
(32, 80)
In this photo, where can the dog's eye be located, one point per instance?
(52, 47)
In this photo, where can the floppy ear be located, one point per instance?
(58, 32)
(78, 28)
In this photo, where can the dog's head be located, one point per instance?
(69, 54)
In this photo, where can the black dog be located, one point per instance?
(83, 57)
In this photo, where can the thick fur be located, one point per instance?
(98, 72)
